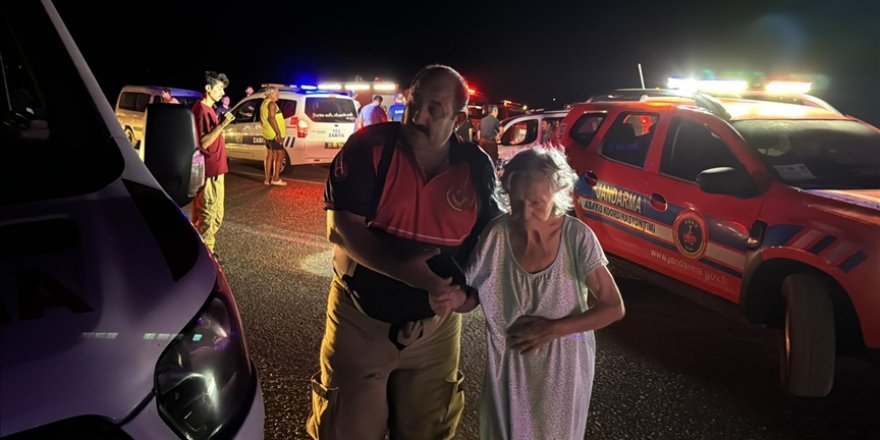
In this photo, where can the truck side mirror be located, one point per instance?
(169, 143)
(728, 181)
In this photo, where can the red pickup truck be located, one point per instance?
(772, 206)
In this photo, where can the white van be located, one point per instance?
(115, 321)
(521, 132)
(318, 124)
(131, 108)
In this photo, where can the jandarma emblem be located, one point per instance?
(690, 234)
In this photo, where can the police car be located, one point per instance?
(318, 124)
(115, 322)
(771, 206)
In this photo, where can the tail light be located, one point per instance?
(302, 126)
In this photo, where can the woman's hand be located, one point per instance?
(529, 333)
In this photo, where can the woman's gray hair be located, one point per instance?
(546, 160)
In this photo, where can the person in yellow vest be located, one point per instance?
(274, 131)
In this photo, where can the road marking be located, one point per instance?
(313, 240)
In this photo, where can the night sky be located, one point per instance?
(530, 52)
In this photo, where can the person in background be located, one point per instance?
(489, 133)
(641, 124)
(274, 130)
(395, 112)
(207, 207)
(166, 98)
(371, 113)
(389, 361)
(222, 107)
(546, 132)
(533, 270)
(464, 129)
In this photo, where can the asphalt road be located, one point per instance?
(669, 370)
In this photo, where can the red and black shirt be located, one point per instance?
(410, 212)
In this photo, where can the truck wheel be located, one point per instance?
(808, 350)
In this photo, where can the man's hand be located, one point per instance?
(442, 303)
(228, 117)
(529, 333)
(420, 275)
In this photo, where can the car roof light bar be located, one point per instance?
(701, 100)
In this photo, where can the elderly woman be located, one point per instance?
(532, 271)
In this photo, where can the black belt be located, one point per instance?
(386, 299)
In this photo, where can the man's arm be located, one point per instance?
(273, 109)
(349, 232)
(210, 137)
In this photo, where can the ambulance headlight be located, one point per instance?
(205, 383)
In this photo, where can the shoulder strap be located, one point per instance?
(382, 169)
(487, 209)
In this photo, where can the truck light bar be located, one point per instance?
(690, 85)
(787, 87)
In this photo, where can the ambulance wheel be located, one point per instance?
(808, 345)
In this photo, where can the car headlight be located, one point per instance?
(205, 383)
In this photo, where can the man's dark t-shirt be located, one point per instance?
(409, 213)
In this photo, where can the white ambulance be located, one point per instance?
(115, 321)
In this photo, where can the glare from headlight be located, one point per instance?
(204, 380)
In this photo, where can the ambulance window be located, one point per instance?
(692, 148)
(49, 117)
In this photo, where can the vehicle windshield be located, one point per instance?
(817, 154)
(55, 143)
(337, 110)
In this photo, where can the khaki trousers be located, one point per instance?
(367, 387)
(207, 210)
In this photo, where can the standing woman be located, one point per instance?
(533, 270)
